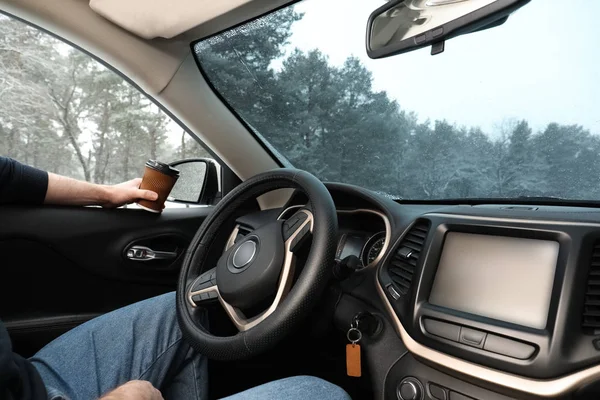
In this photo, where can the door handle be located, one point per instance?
(143, 253)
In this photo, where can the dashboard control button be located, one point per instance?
(508, 347)
(437, 32)
(472, 337)
(410, 389)
(458, 396)
(421, 38)
(437, 392)
(442, 329)
(393, 292)
(596, 343)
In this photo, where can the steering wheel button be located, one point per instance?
(289, 227)
(298, 217)
(301, 235)
(196, 298)
(212, 294)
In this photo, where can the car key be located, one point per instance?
(354, 336)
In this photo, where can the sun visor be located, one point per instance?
(162, 18)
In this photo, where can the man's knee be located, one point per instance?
(317, 387)
(296, 387)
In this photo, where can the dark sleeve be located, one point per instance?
(21, 184)
(19, 379)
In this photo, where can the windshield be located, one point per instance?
(503, 113)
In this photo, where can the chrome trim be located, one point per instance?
(231, 240)
(437, 3)
(143, 253)
(537, 387)
(283, 286)
(388, 230)
(386, 221)
(288, 209)
(364, 248)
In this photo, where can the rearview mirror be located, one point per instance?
(400, 26)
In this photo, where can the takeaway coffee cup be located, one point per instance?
(160, 178)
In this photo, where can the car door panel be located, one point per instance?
(64, 265)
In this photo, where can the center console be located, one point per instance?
(509, 305)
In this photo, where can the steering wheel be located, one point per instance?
(259, 269)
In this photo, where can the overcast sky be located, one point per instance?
(540, 65)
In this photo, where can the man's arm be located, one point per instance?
(67, 191)
(22, 184)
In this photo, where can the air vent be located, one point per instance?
(591, 308)
(402, 267)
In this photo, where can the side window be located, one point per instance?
(62, 111)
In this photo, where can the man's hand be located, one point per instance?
(134, 390)
(127, 192)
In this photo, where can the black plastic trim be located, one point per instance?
(42, 324)
(408, 366)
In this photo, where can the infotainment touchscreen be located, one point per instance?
(505, 278)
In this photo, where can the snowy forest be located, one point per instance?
(62, 111)
(330, 121)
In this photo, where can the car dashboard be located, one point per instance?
(490, 301)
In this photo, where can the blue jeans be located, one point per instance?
(141, 341)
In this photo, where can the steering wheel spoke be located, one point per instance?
(297, 228)
(204, 288)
